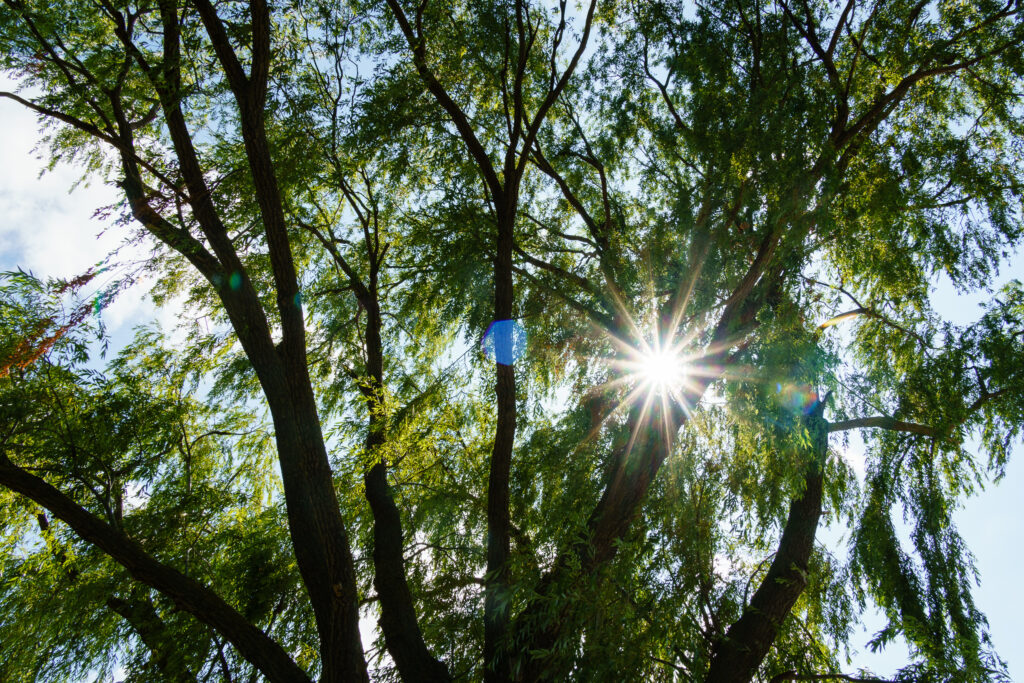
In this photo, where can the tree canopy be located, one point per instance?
(533, 335)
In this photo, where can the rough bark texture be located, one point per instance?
(739, 653)
(317, 529)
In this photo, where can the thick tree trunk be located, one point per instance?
(739, 653)
(317, 529)
(322, 548)
(496, 591)
(633, 468)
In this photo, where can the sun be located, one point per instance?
(661, 370)
(658, 370)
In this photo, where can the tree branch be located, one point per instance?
(740, 651)
(140, 613)
(417, 43)
(794, 676)
(187, 594)
(882, 422)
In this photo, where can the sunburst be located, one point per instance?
(658, 370)
(658, 359)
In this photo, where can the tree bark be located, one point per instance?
(317, 530)
(398, 620)
(497, 589)
(318, 533)
(882, 422)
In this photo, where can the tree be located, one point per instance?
(695, 240)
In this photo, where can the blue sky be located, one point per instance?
(45, 229)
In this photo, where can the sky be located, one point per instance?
(50, 230)
(53, 233)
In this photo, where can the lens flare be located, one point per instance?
(504, 341)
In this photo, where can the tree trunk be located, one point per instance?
(398, 621)
(739, 653)
(497, 591)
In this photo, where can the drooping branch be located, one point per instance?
(574, 201)
(187, 594)
(859, 131)
(556, 90)
(577, 280)
(142, 616)
(663, 89)
(886, 422)
(90, 129)
(598, 318)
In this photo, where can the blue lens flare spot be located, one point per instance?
(504, 341)
(297, 299)
(235, 281)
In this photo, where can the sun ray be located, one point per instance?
(683, 294)
(654, 358)
(641, 421)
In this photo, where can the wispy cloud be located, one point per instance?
(50, 230)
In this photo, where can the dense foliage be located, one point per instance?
(353, 200)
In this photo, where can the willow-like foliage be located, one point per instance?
(346, 464)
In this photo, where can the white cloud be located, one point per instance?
(52, 232)
(851, 448)
(44, 228)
